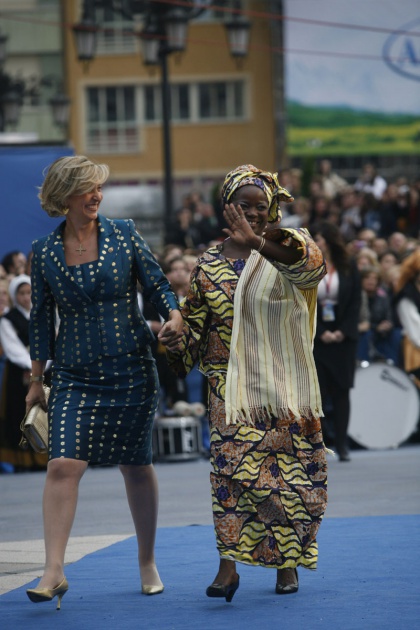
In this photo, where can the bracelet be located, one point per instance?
(36, 379)
(261, 244)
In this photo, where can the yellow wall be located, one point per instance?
(198, 149)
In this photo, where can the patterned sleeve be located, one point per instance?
(195, 312)
(156, 287)
(42, 322)
(307, 272)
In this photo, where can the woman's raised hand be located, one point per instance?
(238, 228)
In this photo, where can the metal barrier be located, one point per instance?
(177, 438)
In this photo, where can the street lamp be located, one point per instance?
(85, 33)
(14, 90)
(238, 31)
(13, 93)
(164, 32)
(60, 106)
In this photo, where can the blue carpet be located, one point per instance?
(368, 578)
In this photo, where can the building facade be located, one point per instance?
(34, 54)
(222, 109)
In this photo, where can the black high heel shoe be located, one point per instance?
(223, 590)
(288, 589)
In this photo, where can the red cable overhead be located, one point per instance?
(276, 16)
(255, 14)
(243, 12)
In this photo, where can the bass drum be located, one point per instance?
(385, 406)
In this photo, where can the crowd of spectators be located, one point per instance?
(379, 221)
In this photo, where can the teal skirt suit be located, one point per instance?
(86, 319)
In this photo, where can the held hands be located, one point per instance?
(171, 332)
(239, 229)
(36, 395)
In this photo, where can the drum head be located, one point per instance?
(385, 407)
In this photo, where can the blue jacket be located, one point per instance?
(108, 322)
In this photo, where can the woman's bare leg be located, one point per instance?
(285, 577)
(227, 572)
(142, 494)
(59, 508)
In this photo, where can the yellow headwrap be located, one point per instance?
(246, 175)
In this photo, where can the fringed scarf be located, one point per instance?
(271, 365)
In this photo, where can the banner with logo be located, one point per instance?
(352, 76)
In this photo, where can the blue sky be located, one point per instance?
(315, 79)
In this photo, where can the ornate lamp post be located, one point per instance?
(14, 90)
(164, 32)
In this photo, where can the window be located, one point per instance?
(115, 113)
(221, 100)
(112, 126)
(115, 35)
(179, 105)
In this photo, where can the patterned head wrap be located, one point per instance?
(248, 175)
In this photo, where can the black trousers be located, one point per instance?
(336, 404)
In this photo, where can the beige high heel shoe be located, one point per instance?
(38, 595)
(151, 590)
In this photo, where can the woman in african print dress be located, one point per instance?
(249, 322)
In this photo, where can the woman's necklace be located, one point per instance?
(80, 249)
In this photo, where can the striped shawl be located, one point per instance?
(271, 365)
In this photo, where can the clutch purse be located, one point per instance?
(34, 427)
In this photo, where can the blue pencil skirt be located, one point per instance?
(103, 412)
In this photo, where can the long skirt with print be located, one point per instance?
(269, 487)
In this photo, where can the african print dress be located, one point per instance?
(269, 480)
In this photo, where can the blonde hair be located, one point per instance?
(370, 254)
(72, 175)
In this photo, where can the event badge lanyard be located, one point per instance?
(328, 314)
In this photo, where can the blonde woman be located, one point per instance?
(104, 383)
